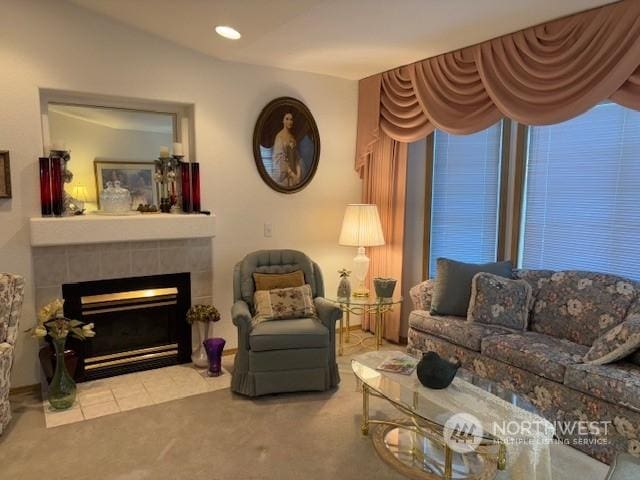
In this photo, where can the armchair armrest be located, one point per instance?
(328, 313)
(422, 294)
(241, 317)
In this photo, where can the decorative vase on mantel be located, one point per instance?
(62, 389)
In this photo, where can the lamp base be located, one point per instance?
(360, 292)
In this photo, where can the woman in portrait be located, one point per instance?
(285, 154)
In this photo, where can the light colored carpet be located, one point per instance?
(219, 436)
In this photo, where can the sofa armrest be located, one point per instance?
(328, 313)
(421, 295)
(241, 317)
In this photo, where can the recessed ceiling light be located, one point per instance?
(228, 32)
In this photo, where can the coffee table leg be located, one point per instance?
(364, 426)
(448, 461)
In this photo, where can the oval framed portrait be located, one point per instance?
(286, 145)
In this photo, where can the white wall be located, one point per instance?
(55, 45)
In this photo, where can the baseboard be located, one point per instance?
(35, 388)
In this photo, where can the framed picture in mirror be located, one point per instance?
(286, 145)
(137, 177)
(5, 175)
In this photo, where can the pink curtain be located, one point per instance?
(541, 75)
(384, 182)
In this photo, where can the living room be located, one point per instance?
(181, 205)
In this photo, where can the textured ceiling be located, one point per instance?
(343, 38)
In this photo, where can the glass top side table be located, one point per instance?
(362, 306)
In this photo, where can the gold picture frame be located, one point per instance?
(5, 174)
(135, 176)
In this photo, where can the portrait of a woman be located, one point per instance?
(285, 154)
(286, 145)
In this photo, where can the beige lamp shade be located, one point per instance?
(361, 226)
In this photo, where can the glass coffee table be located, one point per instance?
(361, 306)
(469, 430)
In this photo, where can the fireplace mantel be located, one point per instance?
(87, 229)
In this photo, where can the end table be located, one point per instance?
(361, 306)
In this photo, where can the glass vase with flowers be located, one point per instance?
(53, 324)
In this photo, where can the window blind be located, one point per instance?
(582, 208)
(465, 196)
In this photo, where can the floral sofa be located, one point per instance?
(544, 363)
(11, 295)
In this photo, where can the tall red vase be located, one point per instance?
(185, 175)
(57, 190)
(45, 186)
(195, 186)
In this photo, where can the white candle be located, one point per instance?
(177, 149)
(57, 145)
(164, 152)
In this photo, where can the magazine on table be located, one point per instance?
(403, 364)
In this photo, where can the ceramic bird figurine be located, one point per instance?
(435, 372)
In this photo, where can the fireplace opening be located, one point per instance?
(140, 323)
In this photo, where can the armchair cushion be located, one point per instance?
(288, 334)
(274, 261)
(271, 281)
(283, 303)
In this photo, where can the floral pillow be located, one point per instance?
(617, 343)
(500, 301)
(283, 303)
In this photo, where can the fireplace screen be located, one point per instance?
(136, 328)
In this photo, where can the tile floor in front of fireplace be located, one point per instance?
(135, 390)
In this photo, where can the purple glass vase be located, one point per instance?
(214, 347)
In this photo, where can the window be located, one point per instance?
(582, 195)
(465, 196)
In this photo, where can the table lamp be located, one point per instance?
(361, 228)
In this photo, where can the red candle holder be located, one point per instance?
(185, 174)
(45, 186)
(57, 190)
(195, 186)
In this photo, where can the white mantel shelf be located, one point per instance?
(86, 229)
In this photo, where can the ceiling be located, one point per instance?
(117, 118)
(344, 38)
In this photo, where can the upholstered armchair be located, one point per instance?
(283, 355)
(11, 295)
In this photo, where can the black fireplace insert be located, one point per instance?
(140, 323)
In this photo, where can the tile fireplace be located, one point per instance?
(140, 323)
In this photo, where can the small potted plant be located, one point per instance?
(202, 316)
(53, 323)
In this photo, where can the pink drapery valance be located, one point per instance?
(541, 75)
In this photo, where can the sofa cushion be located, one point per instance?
(452, 290)
(581, 306)
(617, 383)
(286, 334)
(454, 329)
(500, 301)
(535, 278)
(540, 354)
(617, 343)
